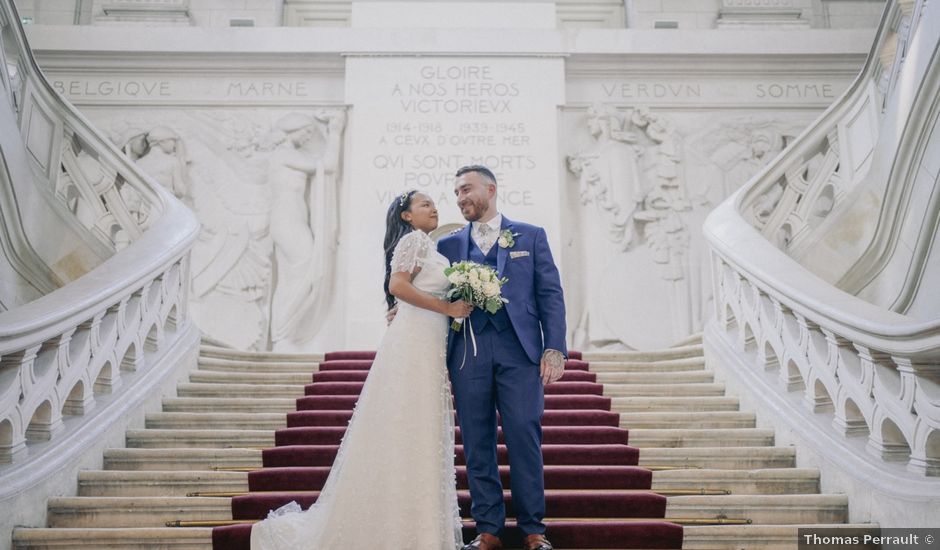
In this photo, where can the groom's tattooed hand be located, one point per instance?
(552, 367)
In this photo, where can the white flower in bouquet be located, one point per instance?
(477, 284)
(491, 289)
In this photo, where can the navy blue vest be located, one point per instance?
(479, 317)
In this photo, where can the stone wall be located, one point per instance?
(290, 146)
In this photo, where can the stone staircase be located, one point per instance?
(690, 433)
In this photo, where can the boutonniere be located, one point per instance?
(507, 239)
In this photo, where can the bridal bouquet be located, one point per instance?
(477, 284)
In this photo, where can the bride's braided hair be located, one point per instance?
(395, 229)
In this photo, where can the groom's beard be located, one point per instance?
(474, 210)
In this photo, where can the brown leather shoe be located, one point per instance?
(537, 542)
(485, 541)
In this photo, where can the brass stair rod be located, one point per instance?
(678, 521)
(210, 523)
(650, 467)
(701, 491)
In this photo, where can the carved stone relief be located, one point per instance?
(264, 187)
(646, 182)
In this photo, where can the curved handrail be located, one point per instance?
(170, 236)
(875, 369)
(802, 291)
(60, 352)
(817, 148)
(728, 230)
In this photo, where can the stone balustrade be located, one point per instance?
(93, 186)
(876, 372)
(795, 196)
(91, 339)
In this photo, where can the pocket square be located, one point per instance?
(518, 254)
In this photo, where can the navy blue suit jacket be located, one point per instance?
(536, 305)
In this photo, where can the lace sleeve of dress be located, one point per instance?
(410, 252)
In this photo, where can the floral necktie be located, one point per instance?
(484, 237)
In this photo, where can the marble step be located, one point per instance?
(749, 537)
(719, 458)
(137, 511)
(644, 437)
(663, 390)
(763, 509)
(742, 482)
(274, 421)
(180, 459)
(711, 537)
(103, 483)
(239, 391)
(258, 375)
(158, 483)
(281, 405)
(266, 378)
(163, 538)
(687, 420)
(691, 340)
(144, 538)
(674, 404)
(678, 352)
(286, 404)
(227, 365)
(263, 357)
(681, 377)
(129, 538)
(723, 458)
(688, 364)
(199, 439)
(216, 420)
(706, 437)
(291, 378)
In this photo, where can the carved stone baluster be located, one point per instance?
(882, 384)
(728, 302)
(824, 360)
(925, 447)
(12, 396)
(772, 314)
(920, 396)
(798, 361)
(48, 370)
(129, 339)
(80, 398)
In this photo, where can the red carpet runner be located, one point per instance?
(583, 447)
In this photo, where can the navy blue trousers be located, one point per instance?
(501, 377)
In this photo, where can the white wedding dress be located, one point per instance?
(392, 484)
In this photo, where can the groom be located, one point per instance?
(518, 349)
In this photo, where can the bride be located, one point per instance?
(392, 484)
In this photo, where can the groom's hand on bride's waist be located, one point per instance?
(390, 314)
(552, 366)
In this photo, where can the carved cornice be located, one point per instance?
(285, 44)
